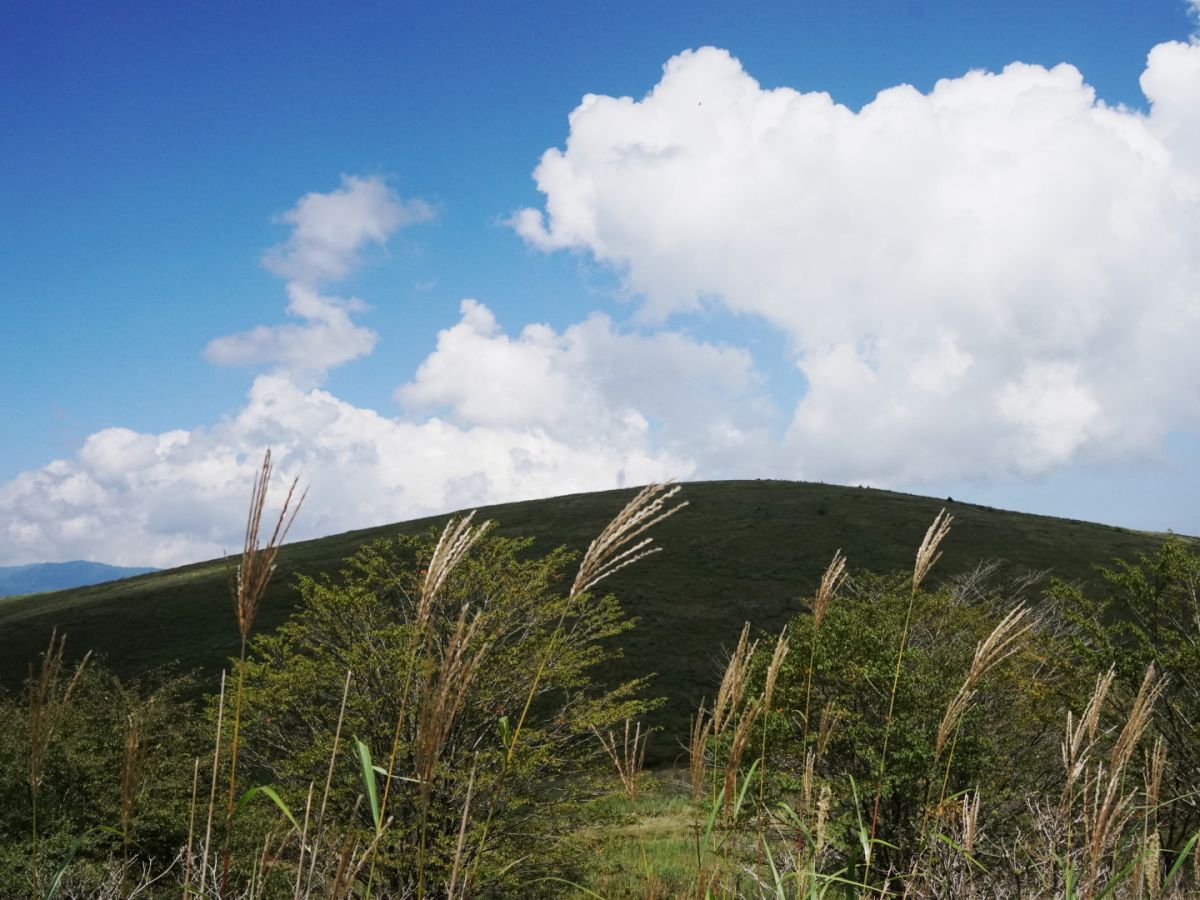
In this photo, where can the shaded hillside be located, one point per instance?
(38, 577)
(742, 551)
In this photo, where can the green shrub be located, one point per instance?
(1150, 614)
(1006, 740)
(367, 621)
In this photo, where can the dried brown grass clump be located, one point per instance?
(1099, 802)
(628, 756)
(709, 724)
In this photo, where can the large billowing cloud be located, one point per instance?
(999, 276)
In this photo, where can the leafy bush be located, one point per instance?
(1150, 615)
(87, 810)
(842, 670)
(436, 693)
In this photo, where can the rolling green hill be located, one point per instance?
(742, 551)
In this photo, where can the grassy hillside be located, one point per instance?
(742, 551)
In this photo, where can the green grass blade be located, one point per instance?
(1181, 858)
(368, 775)
(271, 794)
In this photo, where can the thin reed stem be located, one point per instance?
(927, 554)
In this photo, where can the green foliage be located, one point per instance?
(1009, 733)
(365, 621)
(80, 803)
(1150, 613)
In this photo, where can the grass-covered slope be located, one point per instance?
(742, 551)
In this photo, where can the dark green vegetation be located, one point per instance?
(742, 551)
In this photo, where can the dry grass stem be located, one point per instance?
(610, 552)
(257, 564)
(46, 704)
(1082, 734)
(212, 796)
(457, 539)
(698, 735)
(712, 723)
(970, 822)
(460, 846)
(831, 583)
(989, 653)
(187, 856)
(628, 756)
(928, 553)
(445, 695)
(737, 748)
(1138, 719)
(733, 682)
(777, 657)
(129, 775)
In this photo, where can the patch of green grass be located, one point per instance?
(743, 551)
(649, 848)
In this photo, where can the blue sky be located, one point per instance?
(151, 150)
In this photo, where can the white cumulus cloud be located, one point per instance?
(330, 230)
(475, 433)
(1002, 275)
(593, 380)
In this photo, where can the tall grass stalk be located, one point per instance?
(187, 856)
(927, 555)
(831, 583)
(782, 646)
(998, 646)
(457, 538)
(254, 572)
(460, 664)
(129, 776)
(46, 704)
(333, 753)
(710, 724)
(212, 794)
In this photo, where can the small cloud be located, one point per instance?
(325, 337)
(329, 230)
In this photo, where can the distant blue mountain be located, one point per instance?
(38, 577)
